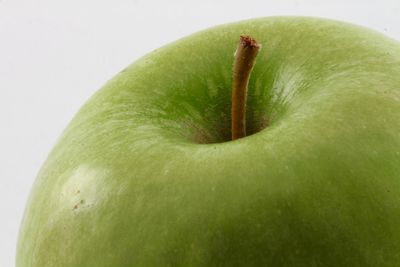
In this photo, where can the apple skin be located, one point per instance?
(144, 175)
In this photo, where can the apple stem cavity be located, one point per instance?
(245, 58)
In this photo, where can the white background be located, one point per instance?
(54, 54)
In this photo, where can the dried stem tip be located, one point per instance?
(247, 41)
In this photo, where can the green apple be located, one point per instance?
(146, 173)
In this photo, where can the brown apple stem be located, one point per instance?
(245, 57)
